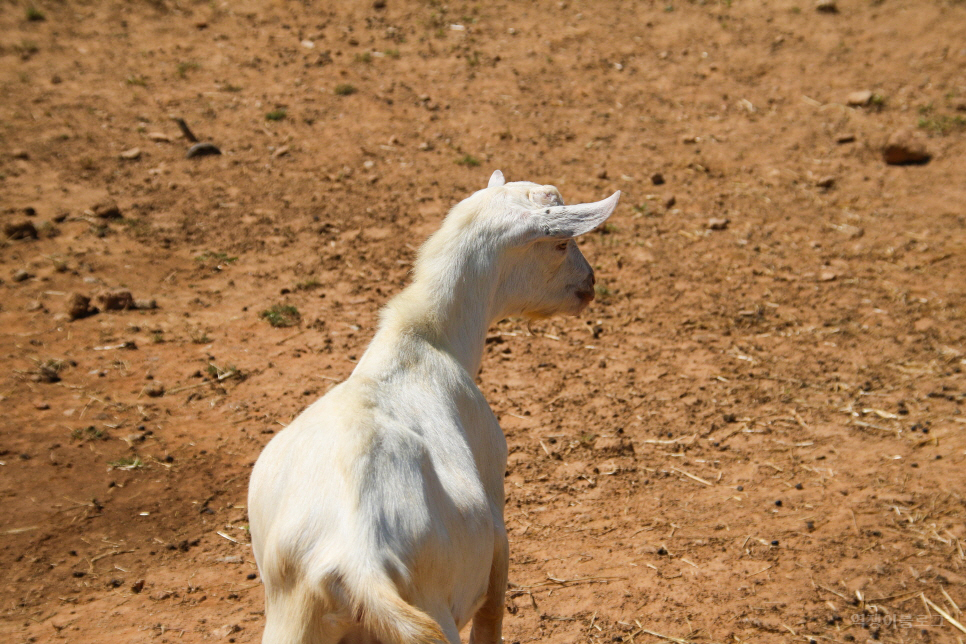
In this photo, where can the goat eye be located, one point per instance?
(562, 246)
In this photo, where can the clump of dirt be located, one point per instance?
(754, 433)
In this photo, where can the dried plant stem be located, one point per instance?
(947, 616)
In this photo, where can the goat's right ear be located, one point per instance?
(564, 222)
(496, 180)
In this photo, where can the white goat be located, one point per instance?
(377, 515)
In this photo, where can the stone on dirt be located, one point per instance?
(116, 300)
(860, 98)
(20, 230)
(106, 210)
(20, 275)
(904, 148)
(717, 223)
(613, 444)
(154, 389)
(79, 306)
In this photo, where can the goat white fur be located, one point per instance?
(377, 515)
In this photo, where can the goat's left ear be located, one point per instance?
(496, 180)
(564, 222)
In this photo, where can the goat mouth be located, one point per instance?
(586, 296)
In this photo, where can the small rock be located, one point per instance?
(20, 230)
(613, 444)
(235, 559)
(34, 305)
(689, 139)
(716, 223)
(904, 148)
(657, 179)
(924, 324)
(42, 406)
(23, 155)
(425, 146)
(825, 182)
(20, 275)
(79, 306)
(601, 173)
(131, 155)
(154, 389)
(160, 137)
(845, 138)
(107, 210)
(202, 150)
(225, 631)
(827, 276)
(61, 217)
(146, 305)
(137, 586)
(826, 6)
(116, 300)
(281, 151)
(859, 99)
(670, 201)
(161, 595)
(850, 231)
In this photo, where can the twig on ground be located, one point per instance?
(692, 476)
(949, 618)
(665, 637)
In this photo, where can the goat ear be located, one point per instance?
(496, 180)
(564, 222)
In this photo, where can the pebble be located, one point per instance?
(613, 444)
(160, 137)
(20, 230)
(20, 275)
(904, 148)
(859, 99)
(850, 231)
(826, 6)
(657, 179)
(106, 210)
(131, 155)
(845, 138)
(717, 223)
(827, 276)
(137, 586)
(79, 306)
(825, 182)
(202, 150)
(23, 155)
(229, 559)
(116, 300)
(670, 201)
(154, 389)
(42, 406)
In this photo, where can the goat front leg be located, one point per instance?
(488, 620)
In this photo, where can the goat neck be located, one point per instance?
(452, 300)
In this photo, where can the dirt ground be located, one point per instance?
(755, 434)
